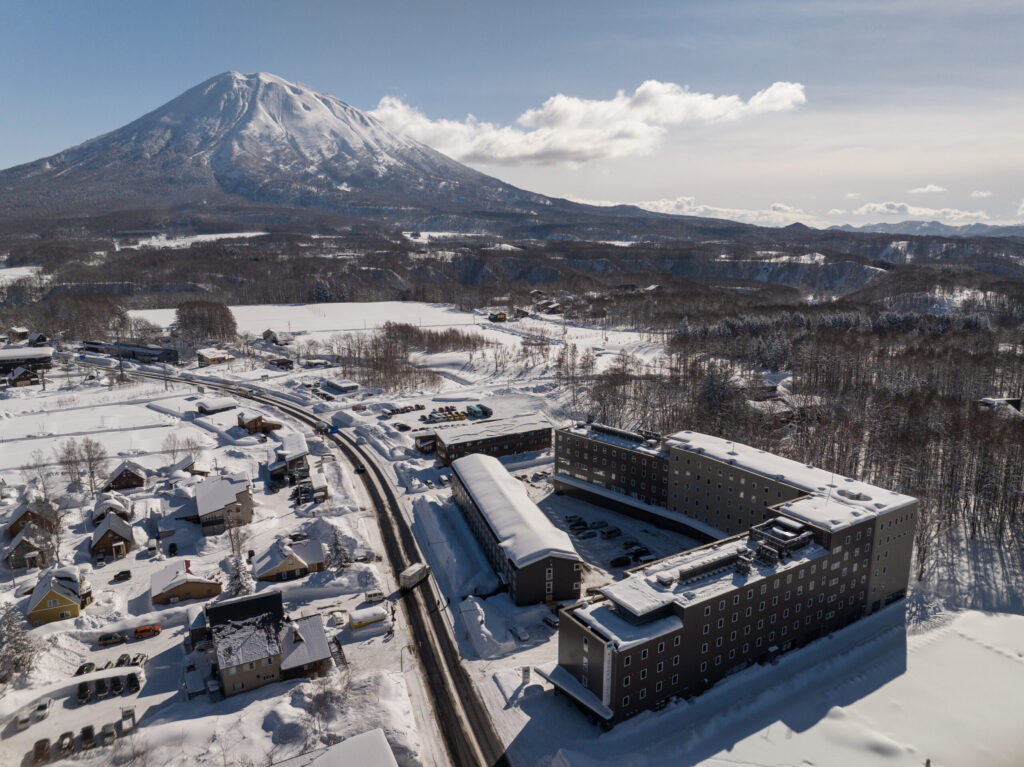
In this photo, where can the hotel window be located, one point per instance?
(625, 681)
(704, 648)
(642, 695)
(675, 642)
(661, 647)
(675, 679)
(625, 700)
(643, 673)
(626, 660)
(661, 667)
(658, 686)
(675, 660)
(643, 655)
(704, 666)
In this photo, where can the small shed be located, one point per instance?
(23, 377)
(210, 405)
(126, 476)
(207, 357)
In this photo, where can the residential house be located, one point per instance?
(367, 749)
(17, 334)
(193, 464)
(112, 502)
(256, 644)
(177, 583)
(112, 538)
(31, 547)
(223, 501)
(209, 357)
(127, 476)
(278, 337)
(23, 377)
(282, 363)
(286, 560)
(291, 457)
(32, 509)
(254, 422)
(60, 594)
(37, 339)
(40, 358)
(211, 405)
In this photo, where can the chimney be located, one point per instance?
(188, 564)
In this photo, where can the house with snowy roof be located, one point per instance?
(255, 422)
(31, 547)
(23, 377)
(32, 509)
(211, 405)
(223, 501)
(60, 594)
(207, 357)
(192, 464)
(535, 559)
(369, 749)
(112, 538)
(278, 337)
(112, 502)
(177, 583)
(126, 476)
(285, 560)
(291, 457)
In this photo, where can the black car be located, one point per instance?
(124, 660)
(84, 693)
(117, 685)
(41, 751)
(610, 532)
(101, 689)
(88, 737)
(124, 575)
(643, 551)
(360, 469)
(622, 561)
(172, 549)
(66, 743)
(402, 427)
(85, 668)
(133, 683)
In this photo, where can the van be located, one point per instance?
(151, 547)
(374, 595)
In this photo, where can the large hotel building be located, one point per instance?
(793, 552)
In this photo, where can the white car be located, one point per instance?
(42, 709)
(519, 633)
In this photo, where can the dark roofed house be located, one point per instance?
(286, 560)
(40, 358)
(23, 377)
(34, 510)
(112, 538)
(304, 648)
(222, 501)
(37, 339)
(291, 457)
(126, 476)
(32, 547)
(17, 334)
(254, 422)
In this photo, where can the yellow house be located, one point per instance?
(60, 594)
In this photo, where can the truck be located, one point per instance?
(412, 575)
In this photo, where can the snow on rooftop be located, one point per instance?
(22, 352)
(524, 532)
(114, 524)
(833, 501)
(172, 576)
(608, 437)
(303, 641)
(246, 641)
(217, 403)
(367, 749)
(65, 581)
(469, 431)
(667, 582)
(304, 553)
(602, 617)
(212, 495)
(293, 445)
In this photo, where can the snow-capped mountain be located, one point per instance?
(256, 138)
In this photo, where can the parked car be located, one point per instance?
(149, 630)
(519, 633)
(116, 686)
(577, 527)
(597, 524)
(123, 575)
(610, 532)
(573, 518)
(42, 709)
(108, 664)
(24, 719)
(108, 734)
(630, 543)
(172, 549)
(360, 469)
(41, 751)
(102, 691)
(124, 660)
(111, 639)
(133, 683)
(640, 553)
(551, 620)
(587, 534)
(429, 483)
(66, 743)
(88, 737)
(84, 693)
(139, 659)
(85, 668)
(623, 561)
(100, 560)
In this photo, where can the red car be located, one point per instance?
(149, 630)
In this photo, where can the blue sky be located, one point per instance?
(884, 112)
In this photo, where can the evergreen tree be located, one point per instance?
(18, 649)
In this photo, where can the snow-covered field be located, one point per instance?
(891, 689)
(12, 273)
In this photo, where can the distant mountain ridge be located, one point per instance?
(936, 229)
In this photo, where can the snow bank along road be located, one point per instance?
(461, 715)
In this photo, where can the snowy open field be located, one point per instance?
(12, 273)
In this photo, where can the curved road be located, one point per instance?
(458, 709)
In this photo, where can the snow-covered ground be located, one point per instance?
(886, 690)
(12, 273)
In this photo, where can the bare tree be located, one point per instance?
(94, 456)
(69, 456)
(37, 473)
(172, 444)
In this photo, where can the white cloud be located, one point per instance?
(1020, 210)
(947, 215)
(977, 193)
(777, 214)
(836, 212)
(568, 129)
(852, 195)
(929, 189)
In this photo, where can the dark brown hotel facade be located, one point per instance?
(796, 553)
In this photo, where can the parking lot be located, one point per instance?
(158, 678)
